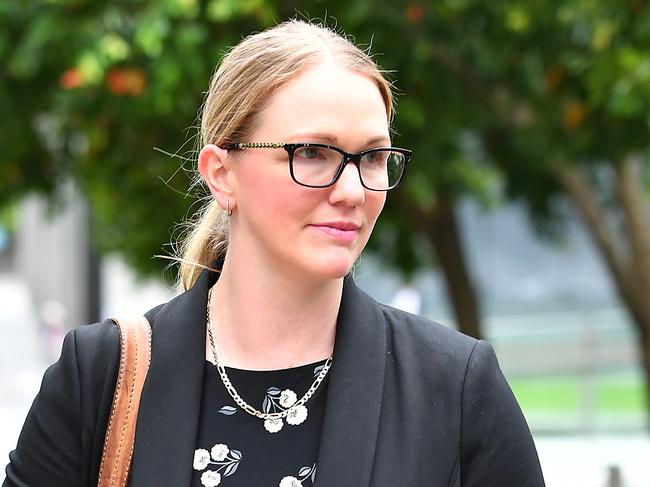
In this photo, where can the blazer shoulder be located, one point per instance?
(67, 420)
(420, 334)
(99, 342)
(98, 345)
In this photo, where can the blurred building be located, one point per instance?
(54, 257)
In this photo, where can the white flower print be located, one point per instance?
(303, 474)
(276, 401)
(297, 415)
(211, 478)
(225, 460)
(219, 452)
(201, 459)
(288, 398)
(290, 481)
(273, 425)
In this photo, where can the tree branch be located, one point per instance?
(438, 221)
(631, 193)
(582, 195)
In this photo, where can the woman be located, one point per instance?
(315, 383)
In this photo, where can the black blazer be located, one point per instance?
(409, 403)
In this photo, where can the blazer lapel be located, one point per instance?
(355, 390)
(171, 399)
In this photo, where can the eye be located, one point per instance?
(312, 154)
(378, 158)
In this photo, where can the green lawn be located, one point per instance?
(568, 403)
(565, 394)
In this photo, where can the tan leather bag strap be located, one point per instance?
(135, 355)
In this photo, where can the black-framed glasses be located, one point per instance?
(321, 165)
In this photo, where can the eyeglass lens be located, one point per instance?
(317, 166)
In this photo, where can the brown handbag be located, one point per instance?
(135, 356)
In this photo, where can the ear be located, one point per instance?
(214, 166)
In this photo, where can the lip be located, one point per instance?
(339, 230)
(339, 225)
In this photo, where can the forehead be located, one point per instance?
(325, 99)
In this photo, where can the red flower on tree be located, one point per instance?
(414, 13)
(126, 81)
(71, 79)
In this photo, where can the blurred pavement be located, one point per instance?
(567, 461)
(22, 361)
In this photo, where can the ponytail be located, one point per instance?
(207, 241)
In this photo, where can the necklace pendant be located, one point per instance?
(273, 425)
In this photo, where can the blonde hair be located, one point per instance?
(246, 77)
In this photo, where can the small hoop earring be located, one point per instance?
(228, 210)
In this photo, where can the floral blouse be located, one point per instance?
(237, 449)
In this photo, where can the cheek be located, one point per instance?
(374, 205)
(276, 201)
(259, 188)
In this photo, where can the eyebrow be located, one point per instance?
(333, 140)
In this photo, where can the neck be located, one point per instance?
(263, 319)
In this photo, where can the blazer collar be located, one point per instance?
(170, 405)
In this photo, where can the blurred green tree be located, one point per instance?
(548, 98)
(90, 88)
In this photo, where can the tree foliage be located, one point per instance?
(549, 99)
(90, 88)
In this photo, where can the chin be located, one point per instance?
(333, 266)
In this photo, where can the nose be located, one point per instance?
(348, 189)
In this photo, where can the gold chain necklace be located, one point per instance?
(272, 421)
